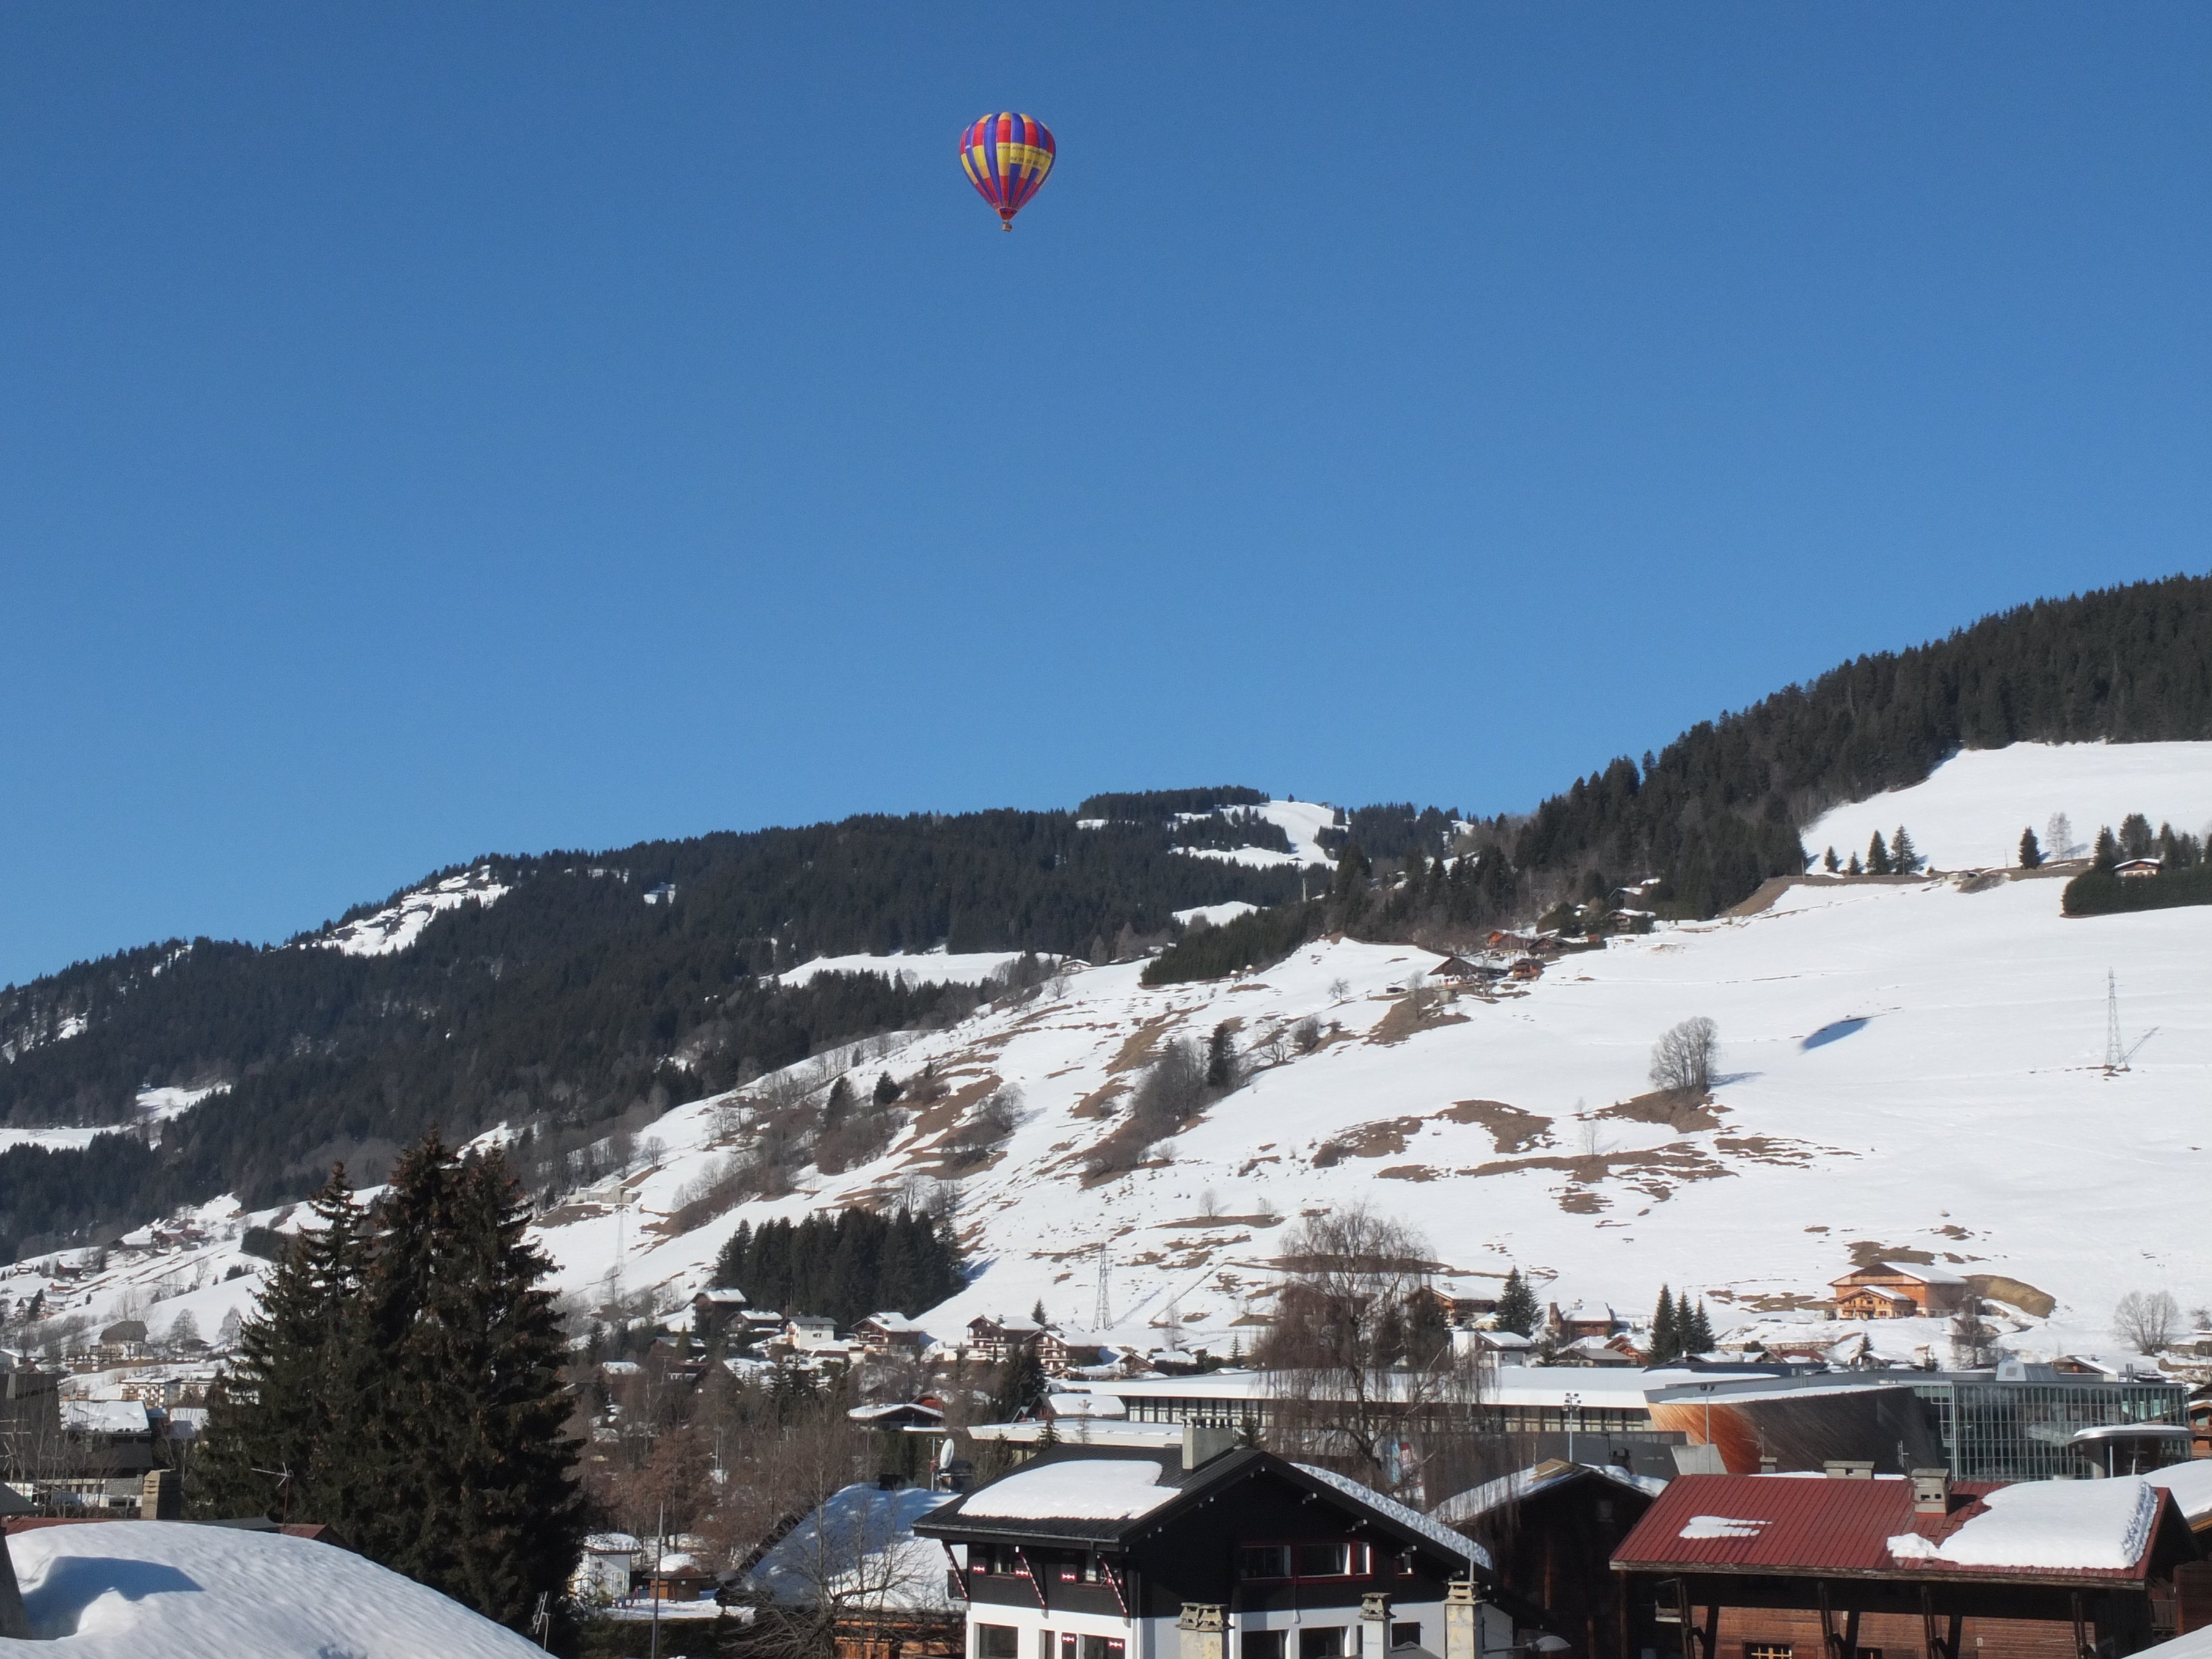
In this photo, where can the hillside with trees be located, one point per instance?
(575, 1009)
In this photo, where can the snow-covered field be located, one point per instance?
(1969, 813)
(160, 1590)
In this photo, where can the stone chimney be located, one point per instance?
(1204, 1441)
(1931, 1492)
(1204, 1631)
(1374, 1625)
(1462, 1620)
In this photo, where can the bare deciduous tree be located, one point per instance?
(2148, 1319)
(1368, 1380)
(1683, 1058)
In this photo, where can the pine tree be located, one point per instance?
(2031, 851)
(1856, 868)
(887, 1090)
(1666, 1333)
(460, 1477)
(1830, 862)
(1904, 857)
(1516, 1309)
(2108, 848)
(1221, 1058)
(1021, 1384)
(1877, 858)
(1698, 1332)
(281, 1408)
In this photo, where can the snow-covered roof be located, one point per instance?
(2076, 1524)
(723, 1296)
(612, 1543)
(126, 1589)
(2191, 1483)
(1073, 1489)
(1436, 1532)
(1085, 1405)
(892, 1324)
(860, 1543)
(105, 1416)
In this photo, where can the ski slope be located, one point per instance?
(1970, 812)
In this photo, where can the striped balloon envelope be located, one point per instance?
(1008, 157)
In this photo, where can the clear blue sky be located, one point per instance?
(435, 429)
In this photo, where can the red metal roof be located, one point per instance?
(1746, 1523)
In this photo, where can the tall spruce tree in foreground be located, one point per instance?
(460, 1475)
(1696, 1327)
(278, 1428)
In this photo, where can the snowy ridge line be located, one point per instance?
(399, 925)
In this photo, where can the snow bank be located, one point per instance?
(1970, 810)
(1079, 1489)
(2048, 1524)
(127, 1590)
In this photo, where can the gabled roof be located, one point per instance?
(1110, 1497)
(2037, 1531)
(1924, 1273)
(1478, 1501)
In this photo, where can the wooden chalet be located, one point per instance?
(999, 1340)
(1883, 1291)
(1770, 1568)
(2136, 869)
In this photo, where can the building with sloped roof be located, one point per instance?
(1209, 1550)
(1769, 1566)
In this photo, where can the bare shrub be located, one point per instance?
(991, 1121)
(1305, 1035)
(2148, 1319)
(1683, 1058)
(1174, 1089)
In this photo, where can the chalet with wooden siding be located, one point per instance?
(1214, 1552)
(1882, 1290)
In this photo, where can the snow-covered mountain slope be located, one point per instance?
(1916, 1066)
(398, 925)
(1908, 1066)
(1970, 812)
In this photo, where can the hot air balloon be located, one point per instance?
(1008, 157)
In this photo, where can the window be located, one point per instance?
(1044, 1645)
(998, 1642)
(1408, 1635)
(1261, 1644)
(1401, 1565)
(1101, 1647)
(1766, 1651)
(1325, 1643)
(1300, 1560)
(1331, 1560)
(1071, 1646)
(1264, 1561)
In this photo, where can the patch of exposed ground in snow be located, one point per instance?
(399, 925)
(1969, 812)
